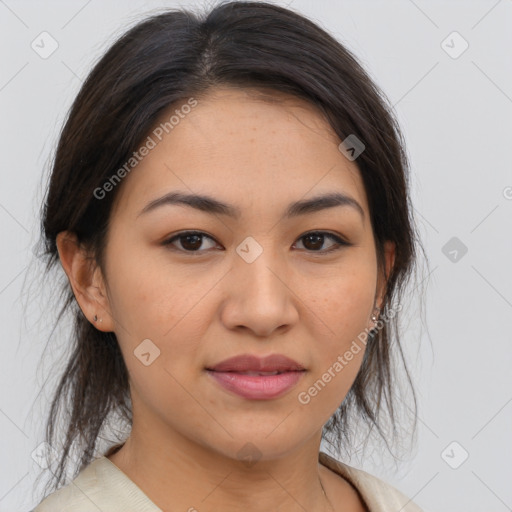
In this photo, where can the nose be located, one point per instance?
(259, 296)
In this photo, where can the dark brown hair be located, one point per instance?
(168, 58)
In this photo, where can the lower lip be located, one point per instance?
(257, 387)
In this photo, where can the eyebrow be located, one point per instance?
(215, 207)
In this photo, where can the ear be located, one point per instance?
(86, 280)
(389, 258)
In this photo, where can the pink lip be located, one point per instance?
(257, 387)
(248, 362)
(230, 375)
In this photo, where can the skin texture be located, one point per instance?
(295, 299)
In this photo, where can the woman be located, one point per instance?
(229, 203)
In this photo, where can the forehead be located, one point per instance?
(245, 146)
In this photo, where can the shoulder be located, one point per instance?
(80, 494)
(378, 495)
(100, 486)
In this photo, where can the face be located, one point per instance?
(253, 278)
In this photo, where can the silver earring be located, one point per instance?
(95, 318)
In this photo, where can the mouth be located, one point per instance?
(255, 378)
(257, 385)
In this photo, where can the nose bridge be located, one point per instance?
(259, 298)
(258, 267)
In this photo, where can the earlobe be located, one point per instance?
(86, 280)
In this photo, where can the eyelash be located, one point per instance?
(340, 243)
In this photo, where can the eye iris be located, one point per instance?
(196, 244)
(317, 241)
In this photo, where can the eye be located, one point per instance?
(190, 241)
(314, 240)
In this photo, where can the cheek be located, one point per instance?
(149, 297)
(152, 303)
(342, 302)
(152, 300)
(340, 309)
(340, 352)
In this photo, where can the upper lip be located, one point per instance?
(248, 362)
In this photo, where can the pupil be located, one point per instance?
(317, 241)
(194, 246)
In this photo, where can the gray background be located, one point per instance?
(455, 111)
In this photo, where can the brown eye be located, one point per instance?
(314, 241)
(190, 241)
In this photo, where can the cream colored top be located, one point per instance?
(103, 487)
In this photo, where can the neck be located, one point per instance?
(177, 474)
